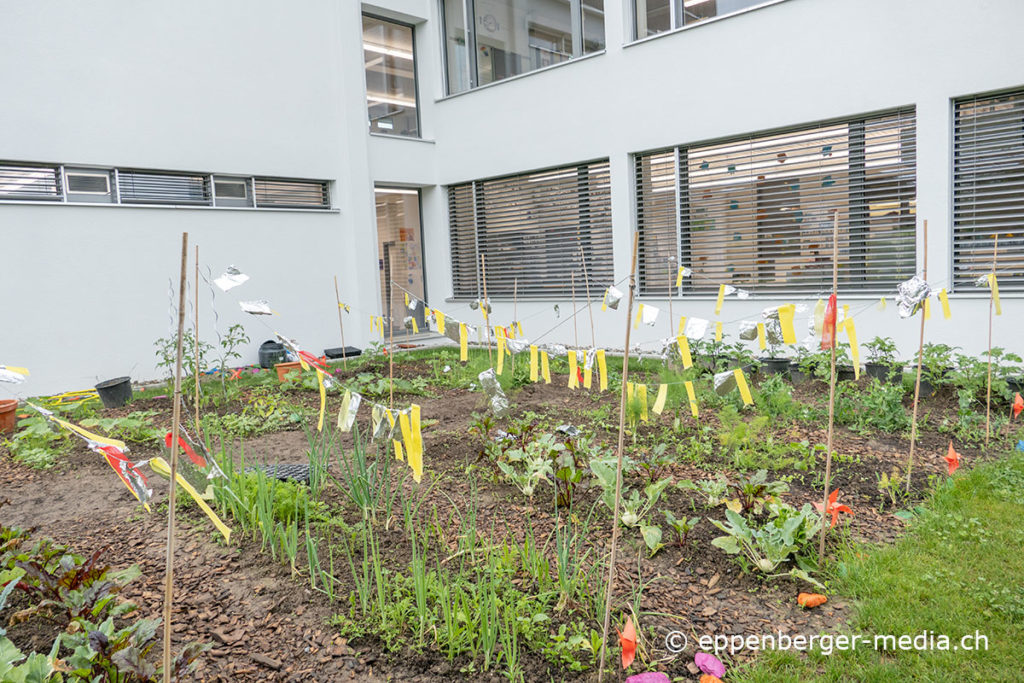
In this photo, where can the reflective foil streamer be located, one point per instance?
(725, 382)
(612, 298)
(696, 328)
(492, 389)
(910, 296)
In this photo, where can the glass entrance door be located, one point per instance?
(399, 254)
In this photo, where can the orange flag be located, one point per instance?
(952, 459)
(627, 638)
(828, 329)
(1018, 405)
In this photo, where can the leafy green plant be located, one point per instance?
(937, 363)
(167, 353)
(893, 486)
(37, 443)
(881, 350)
(526, 469)
(713, 491)
(682, 526)
(766, 546)
(136, 426)
(754, 492)
(878, 406)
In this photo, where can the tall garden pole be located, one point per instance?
(196, 333)
(341, 324)
(671, 286)
(831, 386)
(483, 308)
(590, 309)
(175, 424)
(618, 467)
(575, 331)
(920, 358)
(991, 301)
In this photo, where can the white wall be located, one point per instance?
(268, 88)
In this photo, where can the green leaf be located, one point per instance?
(652, 537)
(727, 543)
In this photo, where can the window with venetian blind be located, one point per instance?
(988, 189)
(757, 212)
(538, 232)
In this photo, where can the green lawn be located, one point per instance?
(959, 569)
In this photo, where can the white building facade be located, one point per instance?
(400, 140)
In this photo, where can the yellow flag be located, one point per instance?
(160, 465)
(602, 369)
(415, 327)
(718, 331)
(944, 300)
(519, 328)
(545, 368)
(574, 380)
(398, 449)
(587, 374)
(721, 297)
(641, 392)
(439, 316)
(927, 309)
(684, 351)
(89, 435)
(380, 325)
(692, 396)
(346, 403)
(416, 458)
(463, 342)
(323, 399)
(501, 350)
(760, 337)
(533, 362)
(659, 402)
(604, 301)
(994, 286)
(741, 382)
(679, 278)
(851, 334)
(639, 315)
(819, 317)
(786, 315)
(682, 325)
(881, 304)
(407, 299)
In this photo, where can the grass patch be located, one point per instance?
(956, 572)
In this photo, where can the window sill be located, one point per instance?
(386, 136)
(168, 206)
(706, 22)
(517, 77)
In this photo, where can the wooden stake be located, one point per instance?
(196, 333)
(391, 353)
(920, 359)
(341, 324)
(483, 309)
(991, 302)
(590, 310)
(515, 306)
(610, 585)
(831, 389)
(671, 286)
(175, 425)
(575, 331)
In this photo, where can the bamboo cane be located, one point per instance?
(920, 360)
(575, 331)
(671, 285)
(991, 302)
(483, 309)
(196, 333)
(173, 456)
(610, 585)
(341, 324)
(831, 388)
(590, 309)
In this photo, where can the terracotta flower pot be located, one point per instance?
(8, 418)
(284, 368)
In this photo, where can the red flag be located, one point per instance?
(1018, 405)
(828, 329)
(952, 459)
(627, 639)
(197, 460)
(126, 471)
(312, 360)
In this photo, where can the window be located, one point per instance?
(31, 182)
(388, 53)
(537, 231)
(988, 189)
(22, 181)
(657, 16)
(156, 187)
(293, 194)
(756, 212)
(506, 38)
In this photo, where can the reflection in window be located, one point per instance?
(757, 212)
(656, 16)
(390, 77)
(512, 37)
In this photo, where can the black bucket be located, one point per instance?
(271, 352)
(115, 392)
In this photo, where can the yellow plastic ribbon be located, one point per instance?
(415, 326)
(545, 367)
(927, 309)
(760, 337)
(588, 379)
(659, 402)
(501, 350)
(679, 278)
(160, 465)
(684, 351)
(639, 315)
(741, 382)
(819, 317)
(398, 450)
(851, 334)
(994, 286)
(692, 396)
(410, 423)
(721, 297)
(944, 300)
(346, 403)
(533, 362)
(407, 299)
(439, 316)
(641, 392)
(682, 325)
(89, 435)
(881, 304)
(323, 399)
(602, 368)
(519, 328)
(463, 343)
(604, 301)
(718, 331)
(574, 380)
(786, 315)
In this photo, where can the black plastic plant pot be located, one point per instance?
(115, 392)
(1016, 385)
(342, 352)
(774, 366)
(796, 375)
(845, 373)
(271, 353)
(896, 374)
